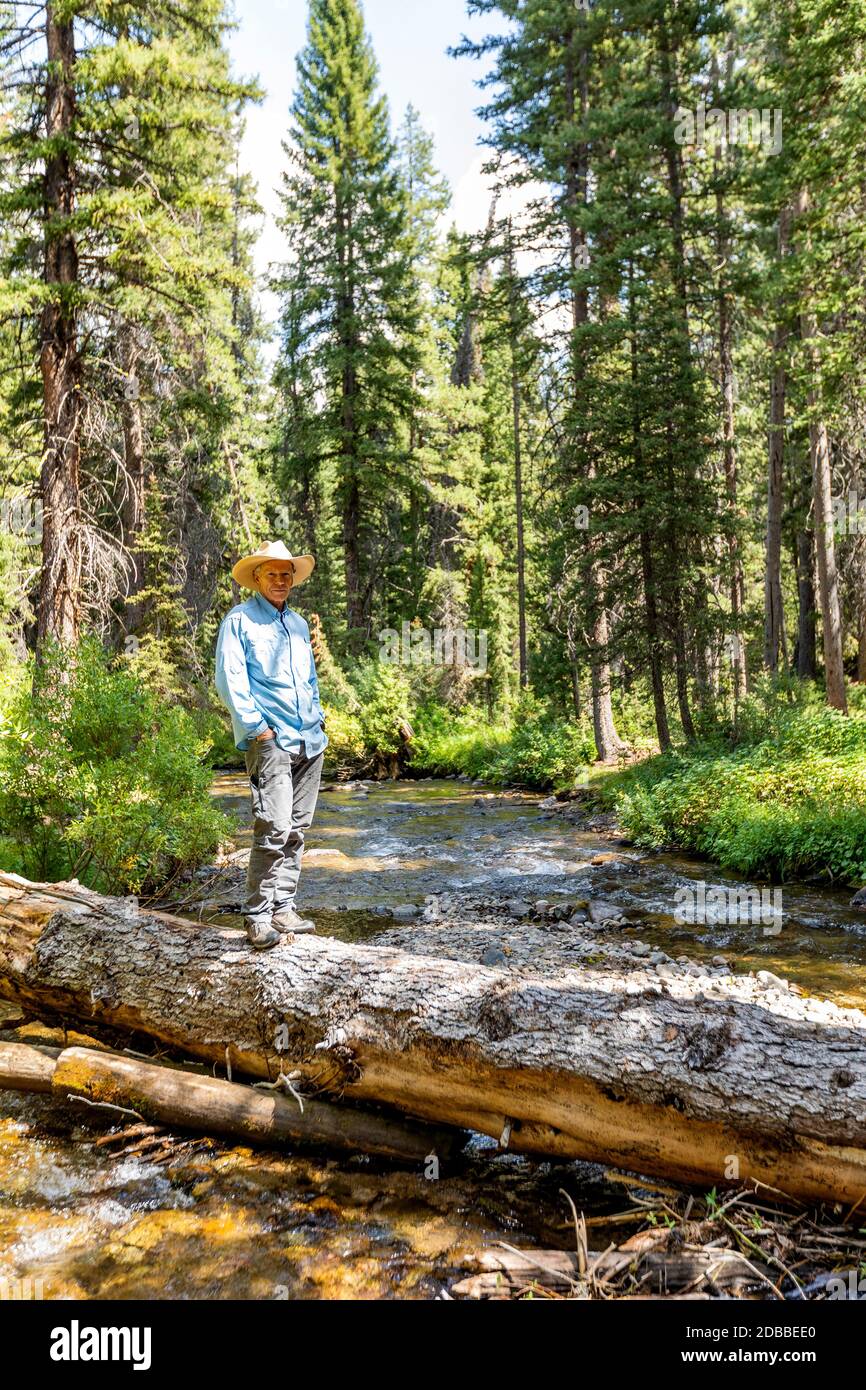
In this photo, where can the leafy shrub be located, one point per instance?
(385, 703)
(345, 738)
(791, 804)
(455, 741)
(542, 751)
(101, 780)
(532, 748)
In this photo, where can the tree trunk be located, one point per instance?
(668, 1078)
(647, 564)
(518, 477)
(654, 640)
(729, 454)
(822, 489)
(774, 612)
(132, 510)
(608, 744)
(60, 582)
(350, 490)
(577, 703)
(806, 666)
(736, 592)
(825, 548)
(676, 188)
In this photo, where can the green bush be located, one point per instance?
(532, 748)
(448, 742)
(101, 780)
(543, 751)
(345, 738)
(384, 704)
(792, 803)
(213, 727)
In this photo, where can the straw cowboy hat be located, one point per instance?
(275, 551)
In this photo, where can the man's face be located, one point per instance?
(275, 581)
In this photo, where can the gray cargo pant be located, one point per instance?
(284, 789)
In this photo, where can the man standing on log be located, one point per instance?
(266, 676)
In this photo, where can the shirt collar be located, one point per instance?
(267, 609)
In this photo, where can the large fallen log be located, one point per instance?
(207, 1104)
(682, 1078)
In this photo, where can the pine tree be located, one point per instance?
(349, 291)
(112, 185)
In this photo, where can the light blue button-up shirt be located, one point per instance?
(266, 676)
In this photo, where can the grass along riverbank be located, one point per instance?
(789, 806)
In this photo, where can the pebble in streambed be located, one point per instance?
(528, 939)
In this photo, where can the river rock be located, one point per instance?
(601, 910)
(517, 907)
(767, 980)
(405, 912)
(493, 956)
(578, 919)
(549, 804)
(542, 905)
(640, 948)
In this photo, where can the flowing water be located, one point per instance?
(224, 1221)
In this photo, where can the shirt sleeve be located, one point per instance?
(233, 681)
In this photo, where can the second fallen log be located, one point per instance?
(185, 1100)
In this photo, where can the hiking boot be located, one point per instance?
(288, 922)
(261, 936)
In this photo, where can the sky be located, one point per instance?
(410, 38)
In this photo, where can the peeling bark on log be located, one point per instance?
(204, 1103)
(658, 1078)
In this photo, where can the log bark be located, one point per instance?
(25, 1068)
(513, 1271)
(182, 1100)
(674, 1077)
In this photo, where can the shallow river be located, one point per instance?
(226, 1222)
